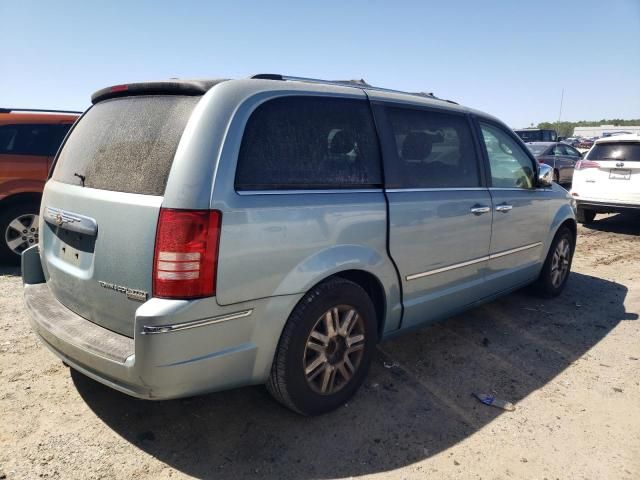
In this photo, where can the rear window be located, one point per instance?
(126, 144)
(309, 143)
(32, 139)
(629, 152)
(537, 149)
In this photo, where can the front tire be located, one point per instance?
(557, 265)
(585, 216)
(18, 231)
(325, 349)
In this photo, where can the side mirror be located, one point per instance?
(545, 175)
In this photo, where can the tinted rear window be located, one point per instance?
(309, 143)
(126, 144)
(629, 152)
(32, 139)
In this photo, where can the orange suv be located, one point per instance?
(29, 139)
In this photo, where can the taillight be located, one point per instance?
(186, 253)
(540, 161)
(582, 164)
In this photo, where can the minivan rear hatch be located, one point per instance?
(101, 206)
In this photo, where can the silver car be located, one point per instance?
(203, 235)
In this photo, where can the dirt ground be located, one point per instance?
(570, 365)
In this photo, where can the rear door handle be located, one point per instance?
(480, 209)
(504, 208)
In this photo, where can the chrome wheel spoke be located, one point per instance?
(320, 360)
(355, 339)
(17, 226)
(345, 328)
(15, 243)
(328, 379)
(321, 349)
(355, 348)
(346, 374)
(323, 339)
(349, 365)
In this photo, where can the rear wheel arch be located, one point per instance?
(571, 225)
(372, 285)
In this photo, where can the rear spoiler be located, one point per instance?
(167, 87)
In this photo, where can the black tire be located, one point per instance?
(585, 216)
(548, 284)
(288, 381)
(8, 215)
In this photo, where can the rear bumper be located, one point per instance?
(603, 206)
(207, 353)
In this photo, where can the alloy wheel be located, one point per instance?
(560, 262)
(334, 349)
(22, 233)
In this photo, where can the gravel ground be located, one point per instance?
(570, 365)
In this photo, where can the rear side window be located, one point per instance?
(435, 150)
(309, 143)
(625, 152)
(31, 139)
(126, 144)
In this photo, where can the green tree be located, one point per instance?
(565, 129)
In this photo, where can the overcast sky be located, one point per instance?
(511, 59)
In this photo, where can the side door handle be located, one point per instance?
(478, 209)
(504, 208)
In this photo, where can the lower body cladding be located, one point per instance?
(179, 347)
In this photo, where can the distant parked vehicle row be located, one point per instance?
(607, 180)
(29, 139)
(559, 156)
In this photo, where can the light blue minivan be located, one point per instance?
(204, 235)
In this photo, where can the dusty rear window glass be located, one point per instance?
(126, 144)
(309, 143)
(629, 152)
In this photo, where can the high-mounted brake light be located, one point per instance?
(186, 253)
(120, 88)
(583, 164)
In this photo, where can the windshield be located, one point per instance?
(626, 152)
(125, 144)
(536, 148)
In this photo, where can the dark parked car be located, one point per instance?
(537, 135)
(584, 143)
(560, 156)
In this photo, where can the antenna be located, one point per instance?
(560, 113)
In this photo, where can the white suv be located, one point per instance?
(608, 178)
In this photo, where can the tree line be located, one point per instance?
(565, 129)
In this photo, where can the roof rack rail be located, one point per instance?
(37, 110)
(344, 83)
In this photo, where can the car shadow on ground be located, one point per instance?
(416, 402)
(11, 270)
(624, 223)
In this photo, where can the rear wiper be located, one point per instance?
(81, 177)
